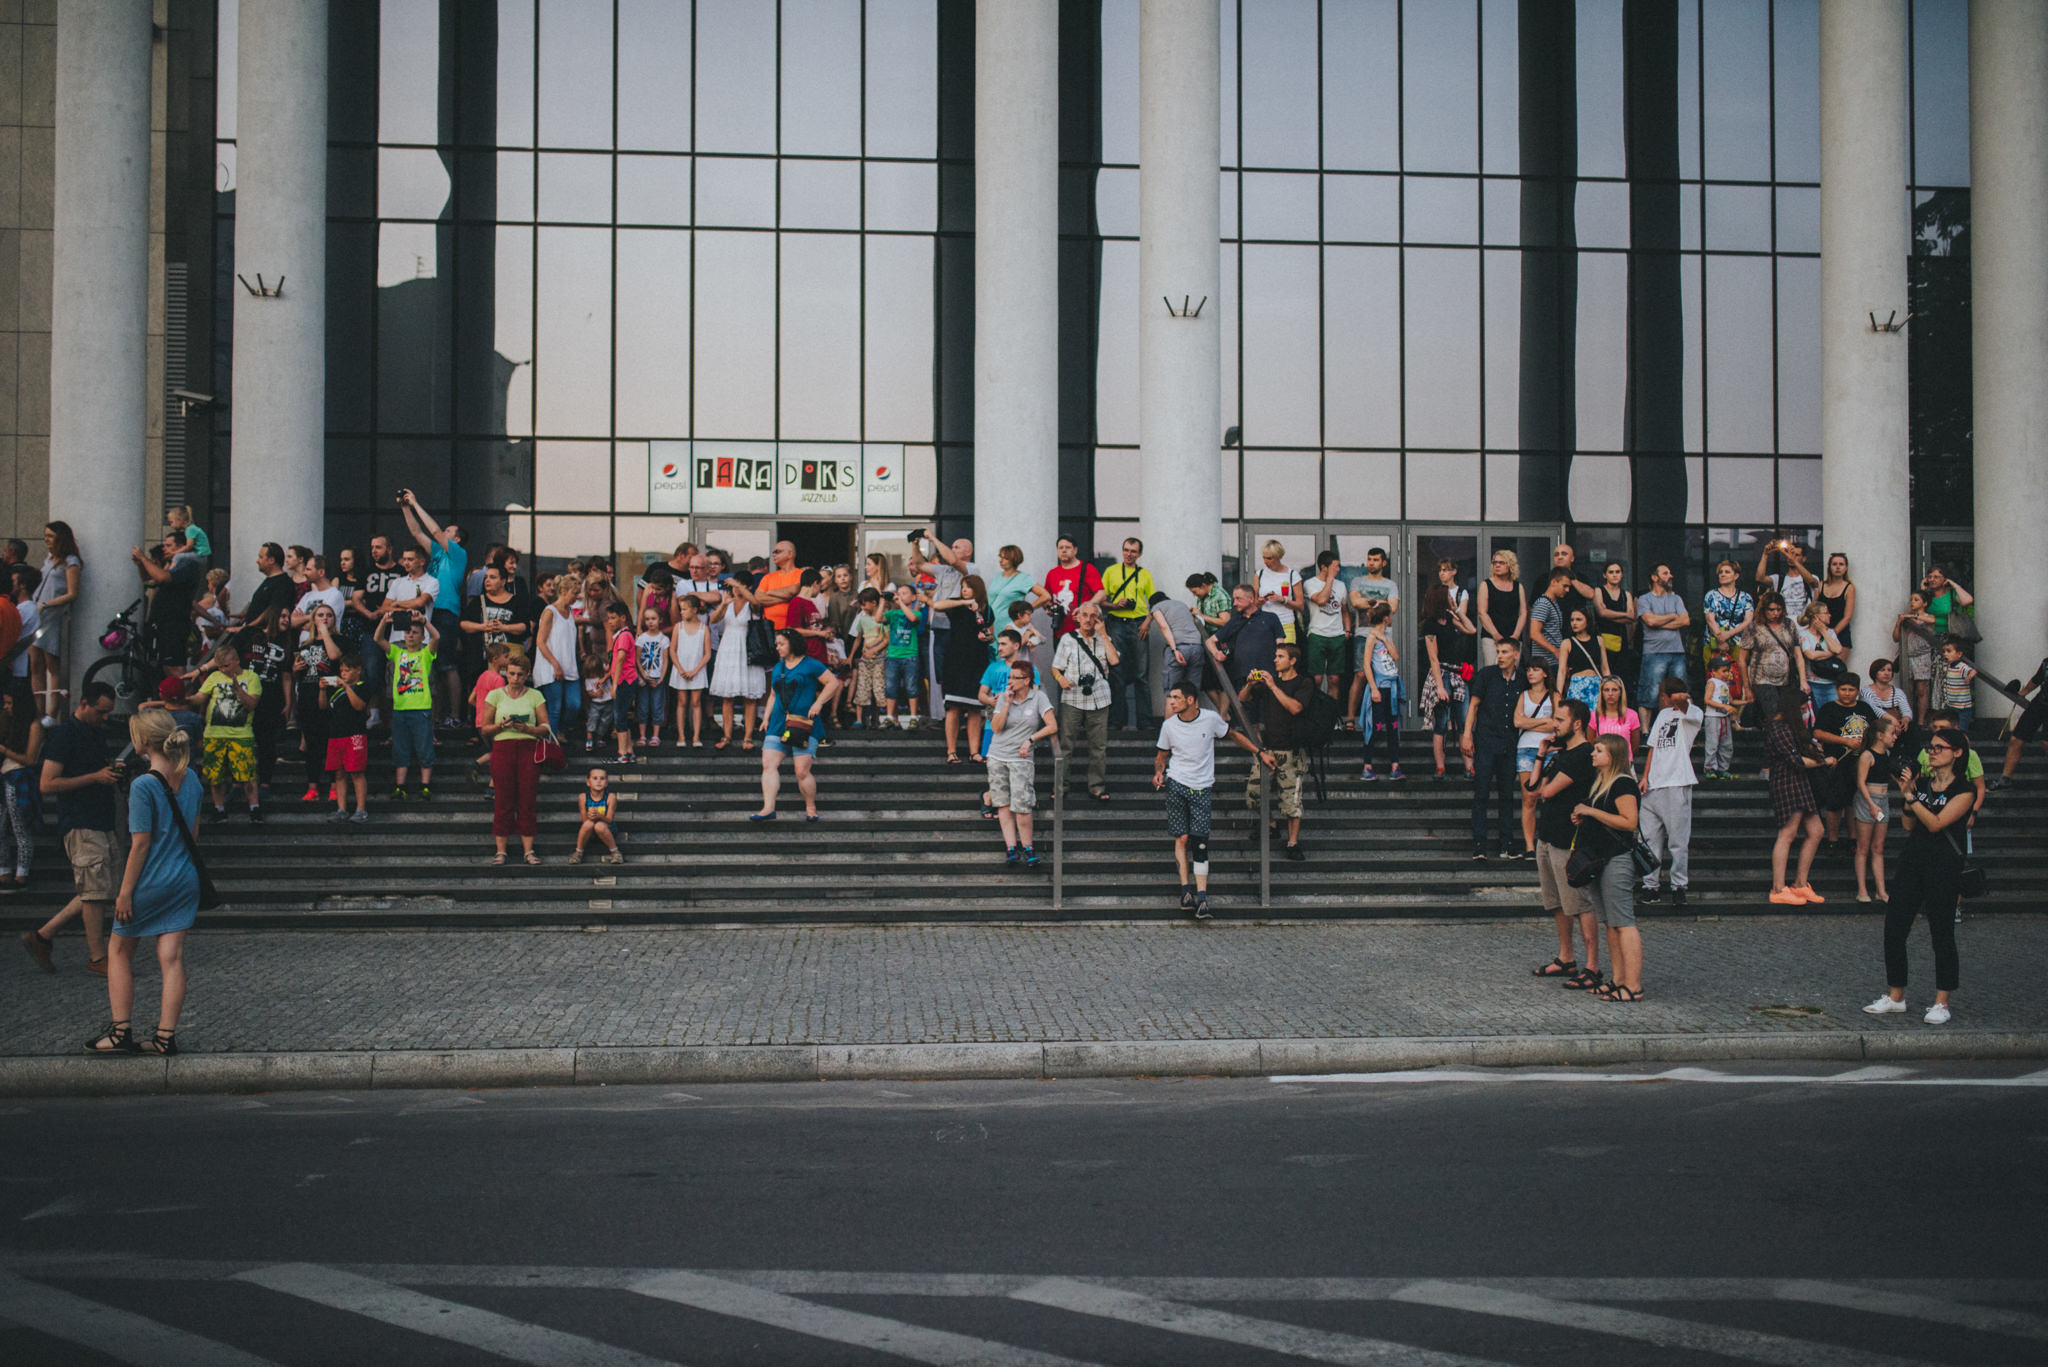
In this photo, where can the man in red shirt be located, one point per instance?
(806, 618)
(1069, 584)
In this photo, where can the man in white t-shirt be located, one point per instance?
(1668, 781)
(319, 589)
(1325, 596)
(1185, 766)
(414, 590)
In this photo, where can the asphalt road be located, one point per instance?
(1504, 1220)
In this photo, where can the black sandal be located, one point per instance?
(1615, 992)
(1556, 968)
(163, 1043)
(116, 1039)
(1580, 980)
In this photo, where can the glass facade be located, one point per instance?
(1511, 261)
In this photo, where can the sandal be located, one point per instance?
(720, 746)
(1598, 985)
(1615, 992)
(952, 759)
(1579, 979)
(164, 1043)
(532, 858)
(575, 856)
(1556, 968)
(116, 1039)
(497, 859)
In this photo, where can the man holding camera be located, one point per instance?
(1796, 585)
(1080, 666)
(1281, 694)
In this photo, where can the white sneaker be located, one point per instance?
(1937, 1014)
(1885, 1006)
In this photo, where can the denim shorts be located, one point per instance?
(899, 679)
(412, 738)
(807, 746)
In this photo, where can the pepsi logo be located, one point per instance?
(881, 472)
(668, 471)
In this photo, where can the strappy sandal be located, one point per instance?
(1556, 968)
(532, 858)
(1579, 980)
(115, 1039)
(1615, 992)
(497, 859)
(163, 1043)
(575, 856)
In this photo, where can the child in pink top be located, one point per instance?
(625, 672)
(488, 682)
(1612, 716)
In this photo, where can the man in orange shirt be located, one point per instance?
(778, 585)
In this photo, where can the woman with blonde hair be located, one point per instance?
(1503, 604)
(159, 890)
(1606, 823)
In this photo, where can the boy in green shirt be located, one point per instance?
(227, 698)
(412, 701)
(900, 664)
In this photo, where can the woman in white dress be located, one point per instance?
(731, 676)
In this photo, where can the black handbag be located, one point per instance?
(1972, 881)
(1582, 867)
(209, 898)
(760, 643)
(1648, 863)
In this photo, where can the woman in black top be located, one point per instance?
(1929, 877)
(1449, 638)
(1606, 824)
(1503, 606)
(492, 616)
(966, 661)
(1585, 660)
(1614, 614)
(1838, 591)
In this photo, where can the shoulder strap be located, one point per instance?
(178, 818)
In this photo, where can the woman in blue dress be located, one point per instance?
(159, 891)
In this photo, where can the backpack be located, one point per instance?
(1314, 729)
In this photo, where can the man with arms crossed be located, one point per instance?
(1664, 620)
(1185, 767)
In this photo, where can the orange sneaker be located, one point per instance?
(1805, 891)
(1788, 898)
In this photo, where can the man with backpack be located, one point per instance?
(1282, 696)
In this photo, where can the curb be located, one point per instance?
(704, 1064)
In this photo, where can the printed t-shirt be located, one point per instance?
(805, 615)
(1282, 581)
(1020, 723)
(651, 655)
(1847, 722)
(410, 670)
(1672, 733)
(1373, 588)
(226, 717)
(504, 707)
(874, 635)
(1325, 619)
(1071, 586)
(902, 633)
(1191, 748)
(343, 720)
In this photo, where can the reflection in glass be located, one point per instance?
(735, 335)
(1116, 352)
(1279, 205)
(1798, 220)
(1361, 209)
(1116, 202)
(406, 251)
(573, 475)
(1741, 490)
(1601, 371)
(515, 73)
(492, 474)
(1501, 79)
(412, 182)
(1601, 146)
(902, 195)
(1689, 91)
(1361, 346)
(1738, 353)
(1442, 346)
(735, 76)
(1278, 93)
(512, 324)
(423, 466)
(898, 354)
(1737, 99)
(413, 348)
(1692, 293)
(1362, 484)
(1941, 92)
(575, 187)
(653, 346)
(1441, 210)
(515, 186)
(736, 192)
(654, 76)
(573, 325)
(408, 71)
(1282, 394)
(1799, 354)
(1117, 481)
(902, 78)
(563, 538)
(1738, 218)
(1600, 490)
(1440, 86)
(1282, 484)
(575, 60)
(821, 76)
(1503, 351)
(1690, 229)
(1443, 486)
(820, 194)
(1601, 209)
(351, 257)
(1798, 492)
(1501, 212)
(654, 190)
(1360, 83)
(820, 361)
(1503, 487)
(1795, 58)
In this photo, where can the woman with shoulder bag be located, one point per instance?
(518, 719)
(1930, 874)
(1606, 824)
(1775, 662)
(160, 890)
(1791, 750)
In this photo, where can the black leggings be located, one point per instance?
(1920, 890)
(313, 731)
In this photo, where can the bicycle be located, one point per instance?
(129, 668)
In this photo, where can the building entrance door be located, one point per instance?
(1952, 548)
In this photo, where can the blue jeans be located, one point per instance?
(1495, 769)
(1130, 691)
(564, 698)
(650, 708)
(412, 739)
(1650, 679)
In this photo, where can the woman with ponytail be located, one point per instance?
(160, 889)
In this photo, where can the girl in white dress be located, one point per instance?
(732, 677)
(689, 670)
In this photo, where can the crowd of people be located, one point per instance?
(1569, 705)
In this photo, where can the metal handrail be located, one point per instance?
(1935, 639)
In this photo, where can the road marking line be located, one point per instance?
(1987, 1319)
(913, 1341)
(119, 1334)
(442, 1319)
(1874, 1076)
(1749, 1344)
(1323, 1345)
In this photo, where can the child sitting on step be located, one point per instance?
(598, 807)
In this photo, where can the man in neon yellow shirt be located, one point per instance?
(412, 702)
(1127, 591)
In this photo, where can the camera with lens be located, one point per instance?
(1087, 684)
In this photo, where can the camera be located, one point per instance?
(1087, 684)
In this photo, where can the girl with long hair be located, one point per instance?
(1937, 813)
(1612, 716)
(960, 680)
(1872, 816)
(1838, 591)
(1730, 613)
(54, 595)
(1792, 752)
(1585, 658)
(1606, 823)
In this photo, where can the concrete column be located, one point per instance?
(278, 455)
(2009, 328)
(1016, 280)
(1179, 389)
(1864, 241)
(99, 304)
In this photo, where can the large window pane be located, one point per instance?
(1361, 346)
(1601, 147)
(1503, 350)
(1738, 218)
(902, 78)
(1361, 209)
(1116, 352)
(1116, 201)
(1279, 86)
(1602, 370)
(1941, 92)
(735, 335)
(735, 76)
(1737, 103)
(1440, 86)
(1282, 398)
(1601, 208)
(898, 357)
(572, 475)
(1278, 205)
(1441, 210)
(1360, 83)
(821, 76)
(1120, 83)
(408, 71)
(412, 182)
(1282, 484)
(736, 192)
(1738, 353)
(1443, 486)
(1795, 60)
(821, 336)
(413, 340)
(573, 326)
(1442, 338)
(1501, 68)
(512, 327)
(515, 73)
(575, 73)
(1799, 355)
(654, 75)
(654, 334)
(1362, 484)
(654, 190)
(575, 187)
(820, 194)
(902, 195)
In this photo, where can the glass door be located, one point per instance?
(1952, 548)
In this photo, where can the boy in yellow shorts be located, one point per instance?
(227, 698)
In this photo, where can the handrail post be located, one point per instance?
(1059, 830)
(1265, 833)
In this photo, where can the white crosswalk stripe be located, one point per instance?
(1984, 1319)
(1275, 1336)
(120, 1335)
(443, 1319)
(912, 1341)
(1748, 1344)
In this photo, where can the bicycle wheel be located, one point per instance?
(132, 681)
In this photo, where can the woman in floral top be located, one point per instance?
(1730, 612)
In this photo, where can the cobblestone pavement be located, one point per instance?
(272, 991)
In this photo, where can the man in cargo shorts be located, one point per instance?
(79, 774)
(1562, 783)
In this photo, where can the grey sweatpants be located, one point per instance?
(1720, 732)
(1665, 825)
